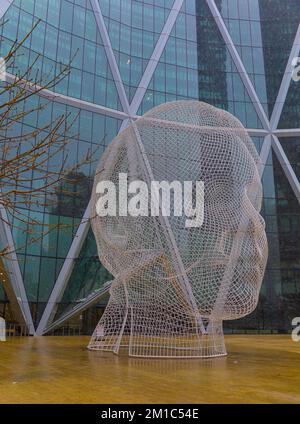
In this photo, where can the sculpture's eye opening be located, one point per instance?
(175, 284)
(220, 194)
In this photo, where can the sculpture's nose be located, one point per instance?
(256, 234)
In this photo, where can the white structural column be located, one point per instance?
(239, 64)
(285, 83)
(65, 273)
(155, 57)
(289, 132)
(253, 132)
(110, 55)
(13, 270)
(265, 151)
(89, 301)
(69, 101)
(4, 5)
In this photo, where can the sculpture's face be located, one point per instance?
(224, 259)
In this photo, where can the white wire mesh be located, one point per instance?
(174, 285)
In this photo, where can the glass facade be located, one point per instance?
(232, 54)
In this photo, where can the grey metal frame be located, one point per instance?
(270, 130)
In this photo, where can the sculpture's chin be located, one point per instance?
(243, 296)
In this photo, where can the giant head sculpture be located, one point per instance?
(193, 252)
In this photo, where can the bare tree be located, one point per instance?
(26, 180)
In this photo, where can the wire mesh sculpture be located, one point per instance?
(175, 285)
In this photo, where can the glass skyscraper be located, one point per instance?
(128, 56)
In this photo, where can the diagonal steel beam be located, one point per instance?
(67, 100)
(257, 132)
(265, 151)
(65, 273)
(155, 57)
(285, 83)
(110, 55)
(286, 166)
(290, 132)
(239, 64)
(89, 301)
(15, 285)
